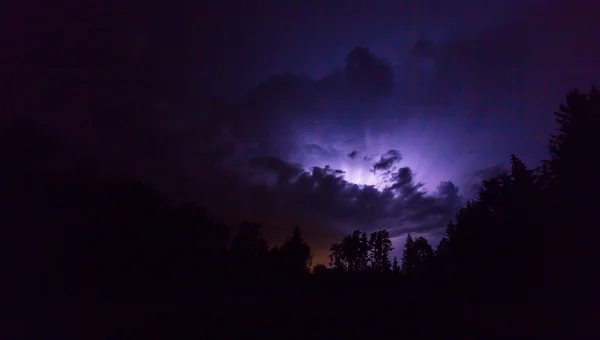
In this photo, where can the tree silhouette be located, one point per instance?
(207, 234)
(351, 245)
(364, 253)
(396, 269)
(381, 247)
(445, 254)
(357, 250)
(569, 148)
(417, 256)
(356, 253)
(295, 253)
(424, 250)
(337, 258)
(570, 177)
(444, 245)
(248, 247)
(320, 269)
(410, 257)
(352, 253)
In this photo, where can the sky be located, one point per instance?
(172, 95)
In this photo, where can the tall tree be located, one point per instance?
(381, 247)
(353, 253)
(573, 177)
(424, 250)
(444, 253)
(410, 257)
(337, 258)
(444, 244)
(417, 255)
(206, 233)
(351, 244)
(320, 270)
(396, 266)
(576, 137)
(364, 252)
(296, 254)
(248, 245)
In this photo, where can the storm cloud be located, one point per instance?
(401, 207)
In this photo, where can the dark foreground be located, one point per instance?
(307, 308)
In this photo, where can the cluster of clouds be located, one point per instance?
(401, 206)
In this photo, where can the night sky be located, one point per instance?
(131, 87)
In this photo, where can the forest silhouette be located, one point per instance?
(89, 256)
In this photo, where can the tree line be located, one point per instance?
(527, 228)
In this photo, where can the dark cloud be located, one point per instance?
(473, 80)
(323, 192)
(387, 161)
(285, 106)
(449, 192)
(504, 61)
(403, 181)
(369, 76)
(284, 170)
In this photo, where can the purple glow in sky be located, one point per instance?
(420, 150)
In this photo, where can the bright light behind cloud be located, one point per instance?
(361, 175)
(429, 148)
